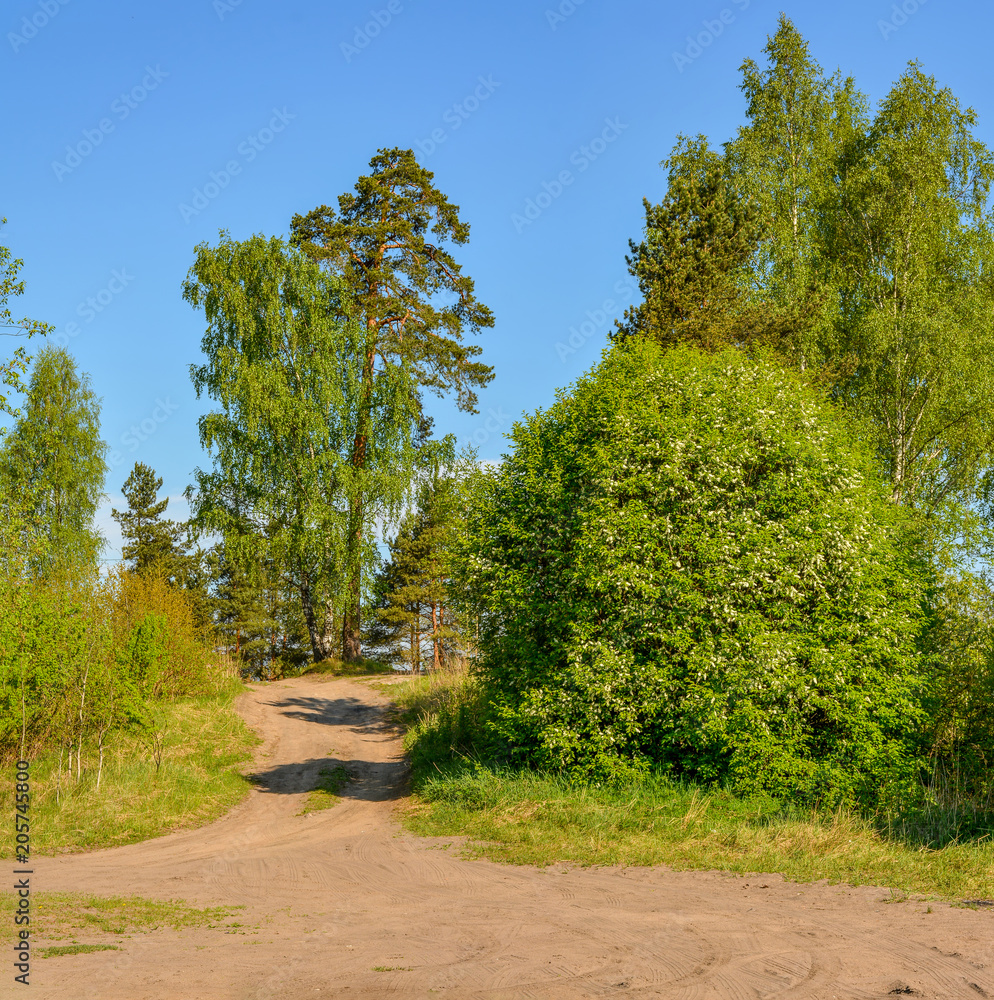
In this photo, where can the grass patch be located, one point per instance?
(329, 784)
(524, 817)
(198, 779)
(528, 818)
(75, 949)
(59, 915)
(336, 668)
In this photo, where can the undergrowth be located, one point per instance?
(463, 788)
(188, 778)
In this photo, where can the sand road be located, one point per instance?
(343, 903)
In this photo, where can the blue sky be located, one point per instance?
(134, 131)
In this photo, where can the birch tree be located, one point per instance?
(287, 367)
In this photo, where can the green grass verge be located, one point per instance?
(199, 780)
(60, 915)
(527, 818)
(523, 817)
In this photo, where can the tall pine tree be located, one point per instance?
(149, 541)
(413, 305)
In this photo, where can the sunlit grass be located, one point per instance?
(524, 817)
(59, 916)
(205, 746)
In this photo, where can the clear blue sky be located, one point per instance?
(117, 115)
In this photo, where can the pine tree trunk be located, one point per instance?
(351, 644)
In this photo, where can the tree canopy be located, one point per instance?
(150, 541)
(857, 244)
(52, 468)
(286, 367)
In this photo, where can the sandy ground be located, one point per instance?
(332, 895)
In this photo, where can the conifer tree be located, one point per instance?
(150, 541)
(414, 617)
(690, 264)
(385, 243)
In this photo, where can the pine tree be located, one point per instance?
(690, 264)
(394, 281)
(413, 615)
(151, 543)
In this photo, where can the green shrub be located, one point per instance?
(690, 563)
(80, 660)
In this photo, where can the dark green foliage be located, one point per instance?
(150, 542)
(691, 263)
(689, 562)
(258, 616)
(380, 244)
(412, 616)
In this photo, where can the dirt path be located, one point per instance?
(333, 895)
